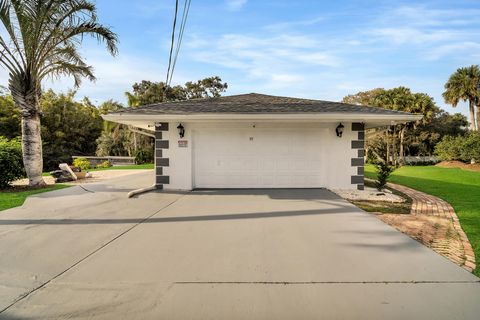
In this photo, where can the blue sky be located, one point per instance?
(313, 49)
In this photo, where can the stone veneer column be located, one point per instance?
(359, 161)
(160, 162)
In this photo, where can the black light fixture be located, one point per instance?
(181, 130)
(339, 130)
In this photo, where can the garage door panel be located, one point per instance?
(243, 158)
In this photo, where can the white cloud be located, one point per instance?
(427, 32)
(273, 59)
(409, 35)
(292, 25)
(286, 79)
(319, 58)
(235, 5)
(151, 8)
(422, 15)
(115, 75)
(457, 49)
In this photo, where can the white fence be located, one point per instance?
(416, 159)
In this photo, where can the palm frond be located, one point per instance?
(43, 37)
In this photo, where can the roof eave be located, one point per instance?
(328, 117)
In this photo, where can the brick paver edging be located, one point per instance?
(423, 203)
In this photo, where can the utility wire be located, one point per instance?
(171, 46)
(186, 9)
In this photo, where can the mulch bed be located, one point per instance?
(460, 165)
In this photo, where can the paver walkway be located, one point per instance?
(425, 204)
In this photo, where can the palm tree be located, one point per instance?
(463, 85)
(42, 39)
(402, 99)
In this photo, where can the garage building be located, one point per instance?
(258, 141)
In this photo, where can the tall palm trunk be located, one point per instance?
(402, 147)
(473, 125)
(478, 116)
(387, 156)
(31, 135)
(32, 150)
(394, 146)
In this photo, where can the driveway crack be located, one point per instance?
(85, 189)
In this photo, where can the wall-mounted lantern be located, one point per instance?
(339, 130)
(181, 130)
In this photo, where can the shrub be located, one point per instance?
(82, 163)
(104, 164)
(471, 147)
(449, 148)
(143, 156)
(11, 162)
(383, 173)
(463, 148)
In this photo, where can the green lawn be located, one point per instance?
(128, 167)
(458, 187)
(13, 198)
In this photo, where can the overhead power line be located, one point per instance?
(172, 42)
(186, 9)
(172, 60)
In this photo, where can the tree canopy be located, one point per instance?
(68, 127)
(9, 117)
(147, 92)
(463, 85)
(392, 144)
(40, 39)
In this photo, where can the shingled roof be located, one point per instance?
(254, 103)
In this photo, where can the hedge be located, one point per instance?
(463, 148)
(11, 161)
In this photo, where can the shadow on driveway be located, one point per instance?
(237, 216)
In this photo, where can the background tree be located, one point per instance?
(422, 139)
(69, 128)
(42, 39)
(148, 92)
(116, 139)
(463, 85)
(392, 147)
(206, 88)
(364, 98)
(9, 117)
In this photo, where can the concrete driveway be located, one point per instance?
(91, 253)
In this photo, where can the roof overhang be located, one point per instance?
(146, 121)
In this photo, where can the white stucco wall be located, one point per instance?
(336, 152)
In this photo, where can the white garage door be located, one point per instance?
(259, 158)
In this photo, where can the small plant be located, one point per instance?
(82, 163)
(383, 173)
(11, 162)
(104, 164)
(143, 156)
